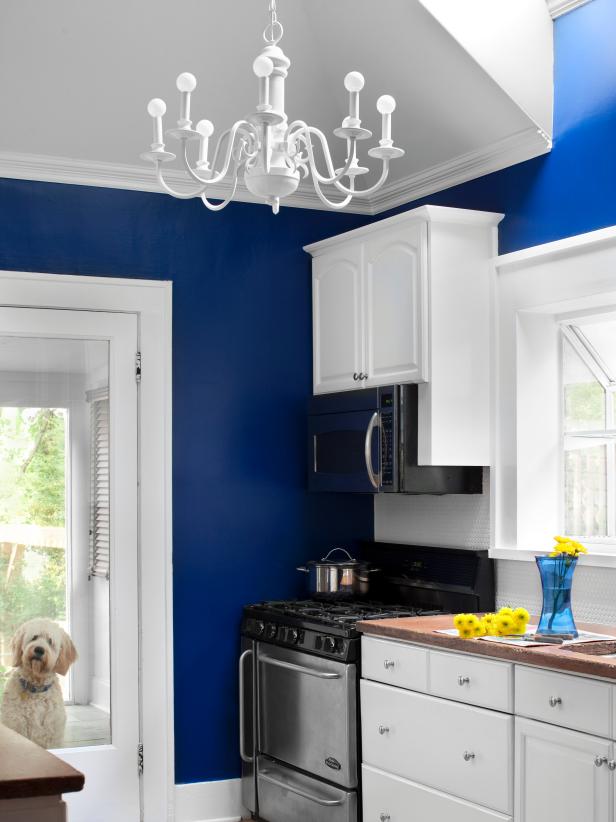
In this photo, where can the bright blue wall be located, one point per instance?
(242, 375)
(242, 359)
(573, 189)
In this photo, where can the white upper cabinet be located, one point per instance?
(337, 311)
(407, 299)
(395, 306)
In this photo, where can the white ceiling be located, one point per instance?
(75, 77)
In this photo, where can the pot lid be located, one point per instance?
(342, 562)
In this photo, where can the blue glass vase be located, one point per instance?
(556, 581)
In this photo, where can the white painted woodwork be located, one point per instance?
(585, 704)
(338, 351)
(556, 777)
(457, 116)
(35, 809)
(396, 302)
(478, 681)
(394, 663)
(425, 739)
(423, 316)
(400, 800)
(115, 764)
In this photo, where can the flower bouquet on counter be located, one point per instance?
(556, 571)
(507, 622)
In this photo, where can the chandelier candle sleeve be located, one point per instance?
(271, 154)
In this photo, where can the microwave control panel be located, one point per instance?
(389, 421)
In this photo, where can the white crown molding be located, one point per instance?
(559, 7)
(522, 146)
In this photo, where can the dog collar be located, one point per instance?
(33, 689)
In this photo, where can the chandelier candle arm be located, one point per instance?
(271, 155)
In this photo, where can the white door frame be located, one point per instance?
(150, 300)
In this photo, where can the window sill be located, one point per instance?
(605, 559)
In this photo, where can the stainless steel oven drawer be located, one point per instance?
(285, 794)
(308, 713)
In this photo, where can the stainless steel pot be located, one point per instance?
(338, 579)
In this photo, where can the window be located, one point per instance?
(589, 429)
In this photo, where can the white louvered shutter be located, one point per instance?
(99, 483)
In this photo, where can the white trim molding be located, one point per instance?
(150, 300)
(560, 7)
(218, 801)
(526, 144)
(534, 290)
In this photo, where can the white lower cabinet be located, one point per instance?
(389, 798)
(451, 747)
(561, 775)
(548, 755)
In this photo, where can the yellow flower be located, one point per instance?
(562, 539)
(504, 624)
(566, 545)
(505, 612)
(466, 633)
(471, 621)
(459, 620)
(479, 629)
(521, 614)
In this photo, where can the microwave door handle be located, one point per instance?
(244, 756)
(288, 786)
(375, 478)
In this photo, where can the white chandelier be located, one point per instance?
(272, 153)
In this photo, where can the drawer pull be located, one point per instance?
(468, 756)
(555, 700)
(612, 765)
(601, 760)
(383, 729)
(389, 663)
(385, 817)
(464, 680)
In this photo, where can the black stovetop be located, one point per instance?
(344, 613)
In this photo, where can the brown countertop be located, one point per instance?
(28, 770)
(421, 630)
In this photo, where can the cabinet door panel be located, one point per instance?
(337, 320)
(556, 777)
(454, 748)
(396, 300)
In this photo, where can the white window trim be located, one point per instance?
(537, 287)
(150, 300)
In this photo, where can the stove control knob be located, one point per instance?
(271, 631)
(259, 628)
(292, 635)
(329, 644)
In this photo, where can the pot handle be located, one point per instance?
(337, 549)
(303, 570)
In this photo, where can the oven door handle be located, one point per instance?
(299, 669)
(287, 786)
(244, 756)
(374, 477)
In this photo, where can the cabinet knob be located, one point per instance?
(600, 760)
(468, 756)
(355, 376)
(385, 817)
(383, 729)
(388, 663)
(612, 765)
(555, 700)
(464, 680)
(363, 376)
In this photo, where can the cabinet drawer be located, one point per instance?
(394, 663)
(454, 748)
(570, 701)
(471, 679)
(398, 800)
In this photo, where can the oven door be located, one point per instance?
(344, 452)
(308, 713)
(289, 796)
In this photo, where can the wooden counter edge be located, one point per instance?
(27, 770)
(422, 631)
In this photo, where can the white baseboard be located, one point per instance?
(209, 802)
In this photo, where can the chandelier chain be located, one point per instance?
(273, 31)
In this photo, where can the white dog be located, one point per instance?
(33, 704)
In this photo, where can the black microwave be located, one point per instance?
(365, 442)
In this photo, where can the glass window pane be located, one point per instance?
(584, 397)
(602, 337)
(585, 488)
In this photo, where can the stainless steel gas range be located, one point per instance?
(299, 672)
